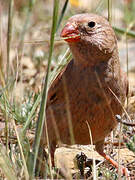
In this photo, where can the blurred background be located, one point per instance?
(25, 28)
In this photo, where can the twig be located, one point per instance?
(119, 119)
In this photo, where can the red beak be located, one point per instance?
(70, 33)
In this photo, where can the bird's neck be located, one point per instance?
(89, 56)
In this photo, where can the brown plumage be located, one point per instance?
(82, 91)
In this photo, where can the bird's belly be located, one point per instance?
(96, 117)
(84, 114)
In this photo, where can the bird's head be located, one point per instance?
(90, 36)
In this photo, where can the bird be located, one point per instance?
(82, 94)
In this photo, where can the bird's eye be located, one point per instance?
(91, 24)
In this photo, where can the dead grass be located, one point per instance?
(24, 50)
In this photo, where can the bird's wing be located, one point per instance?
(55, 90)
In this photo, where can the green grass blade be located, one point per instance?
(59, 67)
(41, 116)
(25, 26)
(30, 115)
(62, 14)
(9, 36)
(21, 152)
(124, 31)
(61, 64)
(6, 165)
(9, 32)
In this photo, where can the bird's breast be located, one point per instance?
(83, 98)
